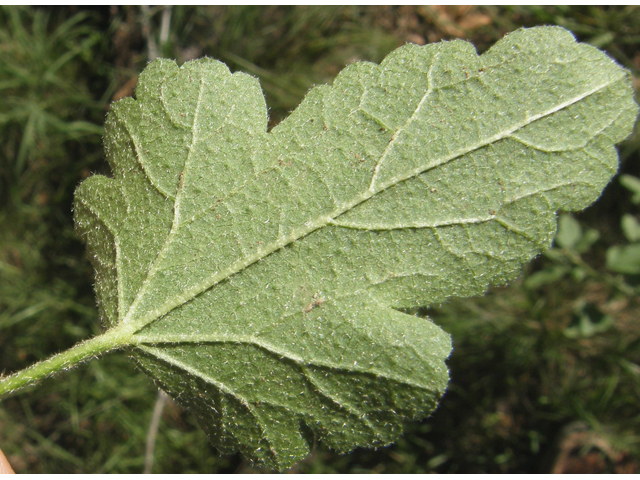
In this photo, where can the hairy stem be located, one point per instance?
(77, 354)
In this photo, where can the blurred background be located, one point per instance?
(545, 372)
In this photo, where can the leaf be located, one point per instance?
(571, 237)
(547, 276)
(624, 258)
(632, 184)
(569, 232)
(630, 227)
(587, 240)
(260, 277)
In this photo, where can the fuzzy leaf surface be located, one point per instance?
(262, 275)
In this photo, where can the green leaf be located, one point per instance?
(260, 277)
(571, 237)
(630, 227)
(587, 240)
(632, 184)
(624, 258)
(547, 276)
(569, 232)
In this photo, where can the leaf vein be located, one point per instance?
(141, 159)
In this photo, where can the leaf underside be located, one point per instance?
(262, 274)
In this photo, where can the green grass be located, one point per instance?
(520, 376)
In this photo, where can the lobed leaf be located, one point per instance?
(262, 275)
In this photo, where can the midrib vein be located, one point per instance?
(324, 220)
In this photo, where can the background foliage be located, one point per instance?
(545, 373)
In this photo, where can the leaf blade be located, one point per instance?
(432, 175)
